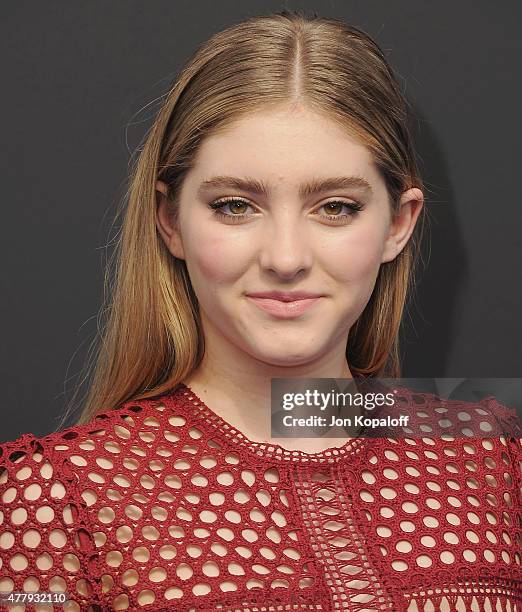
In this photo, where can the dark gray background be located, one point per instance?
(77, 80)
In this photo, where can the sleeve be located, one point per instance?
(512, 440)
(504, 490)
(45, 544)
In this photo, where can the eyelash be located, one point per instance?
(354, 208)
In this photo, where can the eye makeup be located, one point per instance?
(218, 206)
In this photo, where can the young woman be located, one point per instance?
(272, 227)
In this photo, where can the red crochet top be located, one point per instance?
(162, 505)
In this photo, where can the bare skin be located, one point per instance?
(283, 241)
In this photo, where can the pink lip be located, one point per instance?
(284, 309)
(285, 296)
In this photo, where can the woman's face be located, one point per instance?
(303, 208)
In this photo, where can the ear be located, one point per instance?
(403, 223)
(167, 228)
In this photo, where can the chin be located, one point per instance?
(284, 358)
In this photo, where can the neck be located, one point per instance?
(237, 386)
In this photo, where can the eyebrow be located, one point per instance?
(311, 187)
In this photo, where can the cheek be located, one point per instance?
(356, 256)
(214, 258)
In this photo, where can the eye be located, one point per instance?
(236, 205)
(239, 206)
(334, 210)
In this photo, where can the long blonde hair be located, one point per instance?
(151, 337)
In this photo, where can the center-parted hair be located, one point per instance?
(151, 336)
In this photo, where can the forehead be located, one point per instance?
(283, 147)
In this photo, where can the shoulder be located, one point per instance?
(121, 424)
(155, 431)
(51, 466)
(430, 414)
(48, 485)
(466, 445)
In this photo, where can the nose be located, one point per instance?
(286, 249)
